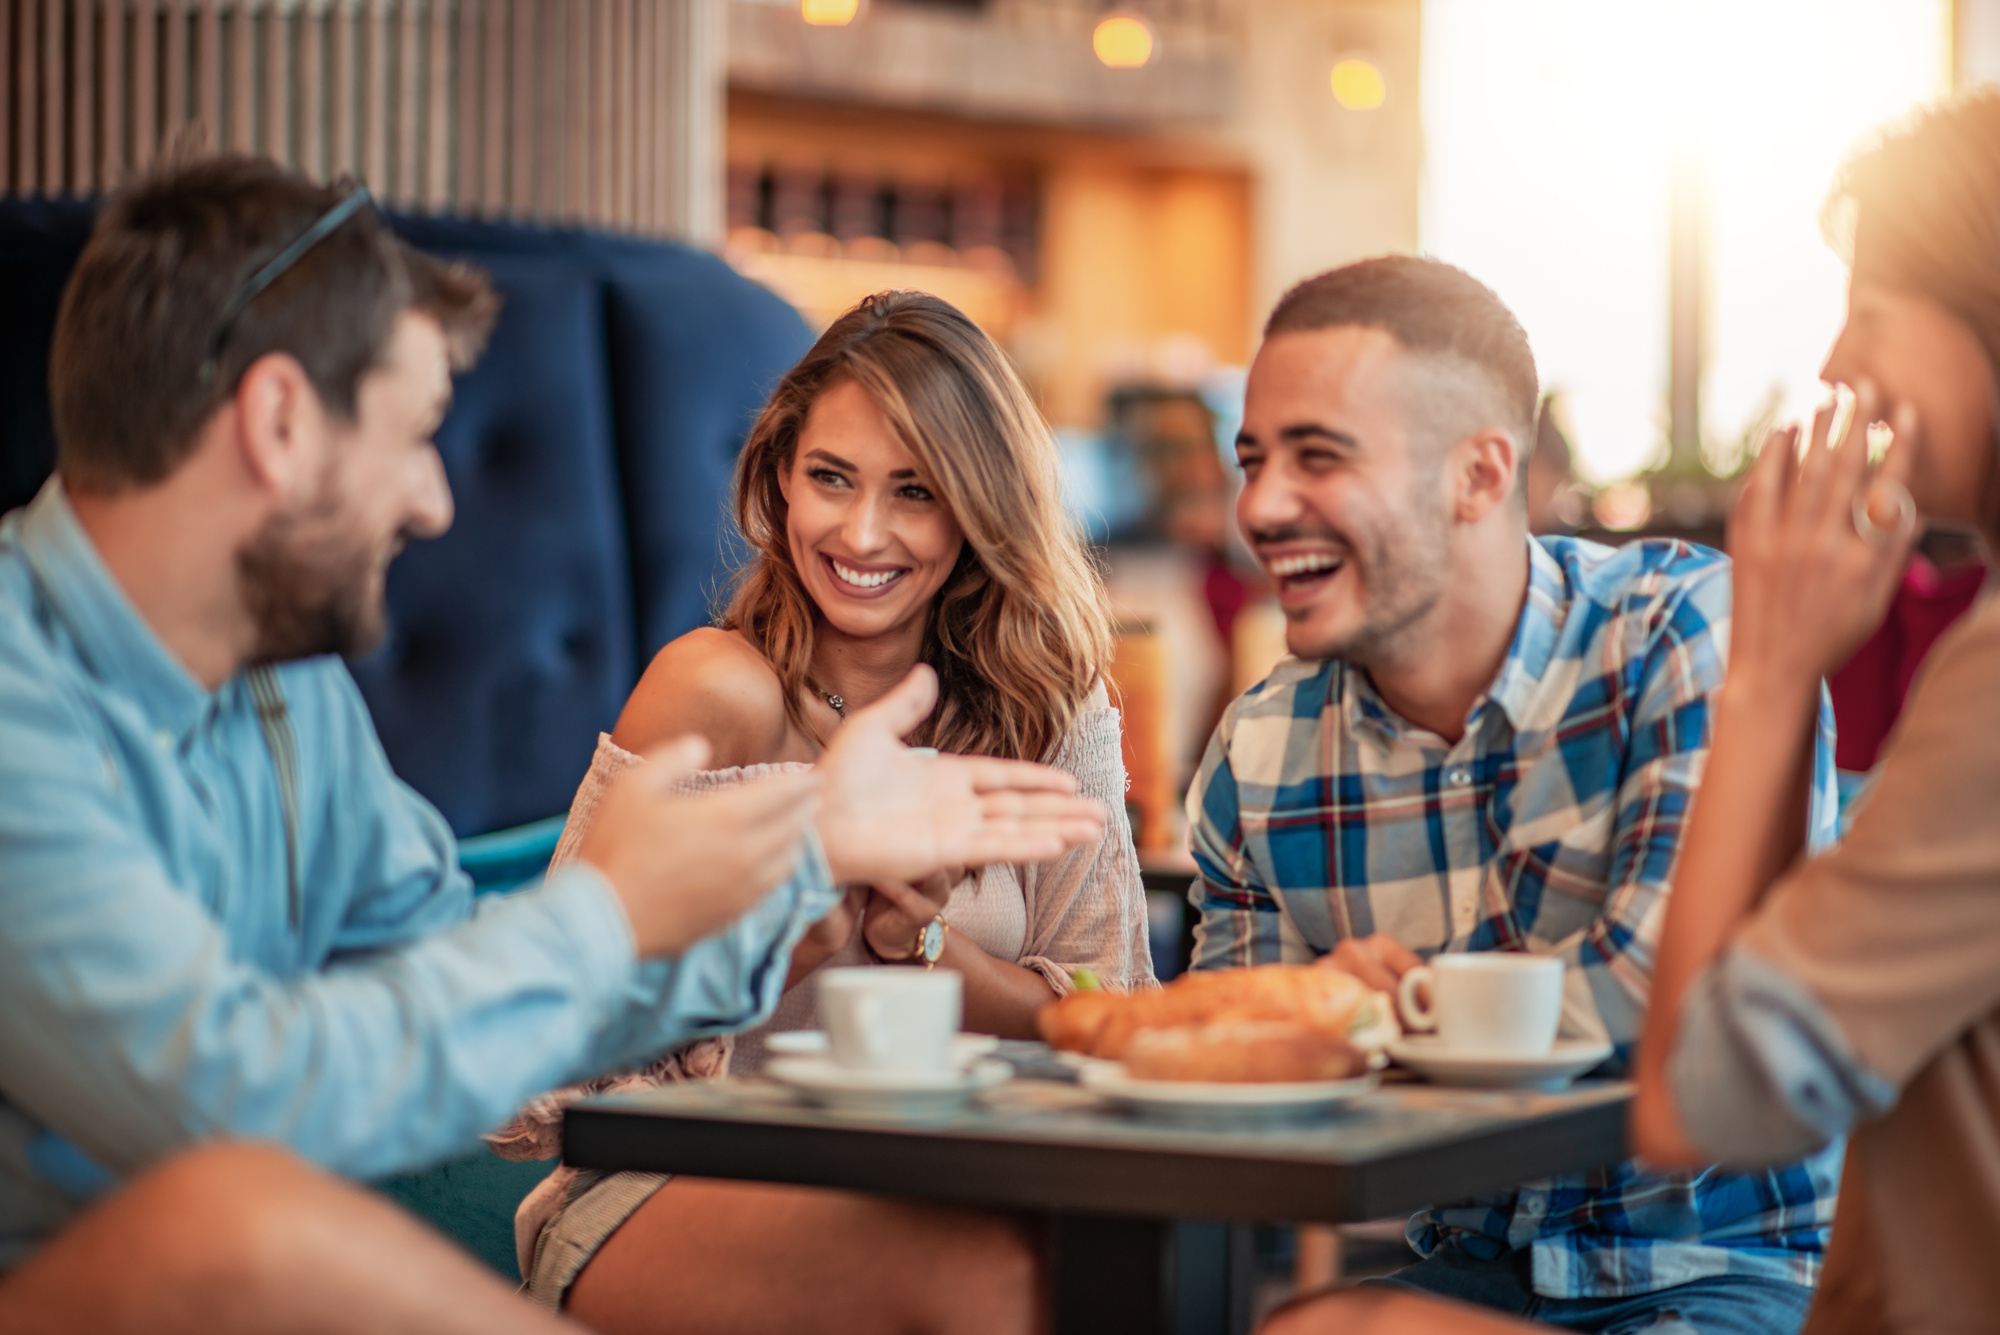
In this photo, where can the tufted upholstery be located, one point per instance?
(589, 455)
(39, 243)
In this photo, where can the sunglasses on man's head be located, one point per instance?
(327, 224)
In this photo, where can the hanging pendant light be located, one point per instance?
(1358, 84)
(829, 13)
(1123, 41)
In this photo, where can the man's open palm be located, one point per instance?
(893, 814)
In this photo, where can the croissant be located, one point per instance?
(1102, 1024)
(1242, 1053)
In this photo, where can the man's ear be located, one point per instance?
(1486, 474)
(280, 426)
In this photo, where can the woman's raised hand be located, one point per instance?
(893, 814)
(1819, 544)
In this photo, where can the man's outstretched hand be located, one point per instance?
(685, 865)
(891, 814)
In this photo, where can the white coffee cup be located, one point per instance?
(889, 1019)
(1504, 1005)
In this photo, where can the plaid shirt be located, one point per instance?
(1551, 826)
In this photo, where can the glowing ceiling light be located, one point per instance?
(829, 13)
(1122, 41)
(1358, 85)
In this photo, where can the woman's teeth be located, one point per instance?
(1285, 567)
(864, 581)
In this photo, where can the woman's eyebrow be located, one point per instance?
(828, 457)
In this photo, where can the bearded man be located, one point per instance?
(227, 920)
(1484, 741)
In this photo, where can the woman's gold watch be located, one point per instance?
(930, 942)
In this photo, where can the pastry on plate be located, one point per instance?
(1243, 1052)
(1311, 998)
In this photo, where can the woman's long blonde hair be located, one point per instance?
(1020, 632)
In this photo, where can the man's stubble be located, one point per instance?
(309, 580)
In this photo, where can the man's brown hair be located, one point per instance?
(1427, 307)
(151, 291)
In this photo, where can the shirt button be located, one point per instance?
(1459, 777)
(164, 740)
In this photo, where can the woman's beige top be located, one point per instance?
(1865, 991)
(1085, 909)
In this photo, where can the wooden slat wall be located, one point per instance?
(543, 110)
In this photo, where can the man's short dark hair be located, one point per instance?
(1427, 307)
(150, 291)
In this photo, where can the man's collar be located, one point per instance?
(1542, 615)
(113, 638)
(1513, 687)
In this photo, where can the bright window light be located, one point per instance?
(1550, 129)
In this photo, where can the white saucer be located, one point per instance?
(965, 1048)
(1429, 1057)
(1213, 1102)
(884, 1095)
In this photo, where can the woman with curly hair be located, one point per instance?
(899, 497)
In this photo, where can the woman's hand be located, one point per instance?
(893, 814)
(829, 936)
(895, 913)
(1000, 998)
(1812, 581)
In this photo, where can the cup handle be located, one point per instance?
(1420, 1017)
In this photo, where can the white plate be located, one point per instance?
(884, 1095)
(965, 1048)
(1213, 1102)
(1569, 1058)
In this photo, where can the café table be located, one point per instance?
(1139, 1213)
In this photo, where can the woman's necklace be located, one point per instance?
(839, 705)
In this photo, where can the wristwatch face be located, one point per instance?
(930, 942)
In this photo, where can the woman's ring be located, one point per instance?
(1892, 493)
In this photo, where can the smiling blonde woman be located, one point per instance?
(899, 496)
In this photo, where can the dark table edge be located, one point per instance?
(1096, 1179)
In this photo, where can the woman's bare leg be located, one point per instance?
(1377, 1310)
(233, 1239)
(703, 1257)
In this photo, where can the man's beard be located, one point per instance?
(1401, 569)
(308, 581)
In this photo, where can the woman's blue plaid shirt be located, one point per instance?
(1550, 826)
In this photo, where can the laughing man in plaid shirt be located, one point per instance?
(1485, 742)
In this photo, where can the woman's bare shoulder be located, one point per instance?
(715, 683)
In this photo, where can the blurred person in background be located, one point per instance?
(1172, 581)
(899, 495)
(226, 917)
(1170, 435)
(1486, 741)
